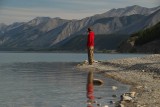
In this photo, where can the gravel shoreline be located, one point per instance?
(142, 73)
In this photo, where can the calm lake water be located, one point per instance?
(50, 80)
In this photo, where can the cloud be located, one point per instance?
(10, 15)
(25, 10)
(144, 3)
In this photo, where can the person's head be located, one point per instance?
(89, 29)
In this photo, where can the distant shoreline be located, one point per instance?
(142, 73)
(57, 51)
(63, 51)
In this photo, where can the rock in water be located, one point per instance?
(97, 82)
(114, 95)
(121, 105)
(105, 106)
(114, 88)
(130, 94)
(126, 98)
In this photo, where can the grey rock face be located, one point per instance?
(43, 32)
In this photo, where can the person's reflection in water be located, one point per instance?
(90, 90)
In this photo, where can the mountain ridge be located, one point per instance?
(45, 32)
(146, 41)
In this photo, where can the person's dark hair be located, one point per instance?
(89, 29)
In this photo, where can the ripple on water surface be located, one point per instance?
(48, 84)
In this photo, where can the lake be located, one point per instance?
(12, 57)
(50, 80)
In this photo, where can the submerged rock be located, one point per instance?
(112, 102)
(98, 105)
(114, 95)
(114, 88)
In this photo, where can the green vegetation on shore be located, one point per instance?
(144, 41)
(147, 35)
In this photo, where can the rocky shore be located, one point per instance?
(143, 74)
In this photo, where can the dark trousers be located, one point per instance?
(90, 55)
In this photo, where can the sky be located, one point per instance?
(26, 10)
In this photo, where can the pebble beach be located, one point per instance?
(143, 74)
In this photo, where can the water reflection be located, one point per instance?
(56, 84)
(91, 82)
(90, 89)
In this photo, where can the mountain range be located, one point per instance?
(144, 41)
(56, 33)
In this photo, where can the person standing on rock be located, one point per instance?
(90, 46)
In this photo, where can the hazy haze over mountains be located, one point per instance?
(45, 32)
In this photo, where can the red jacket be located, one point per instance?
(90, 90)
(90, 40)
